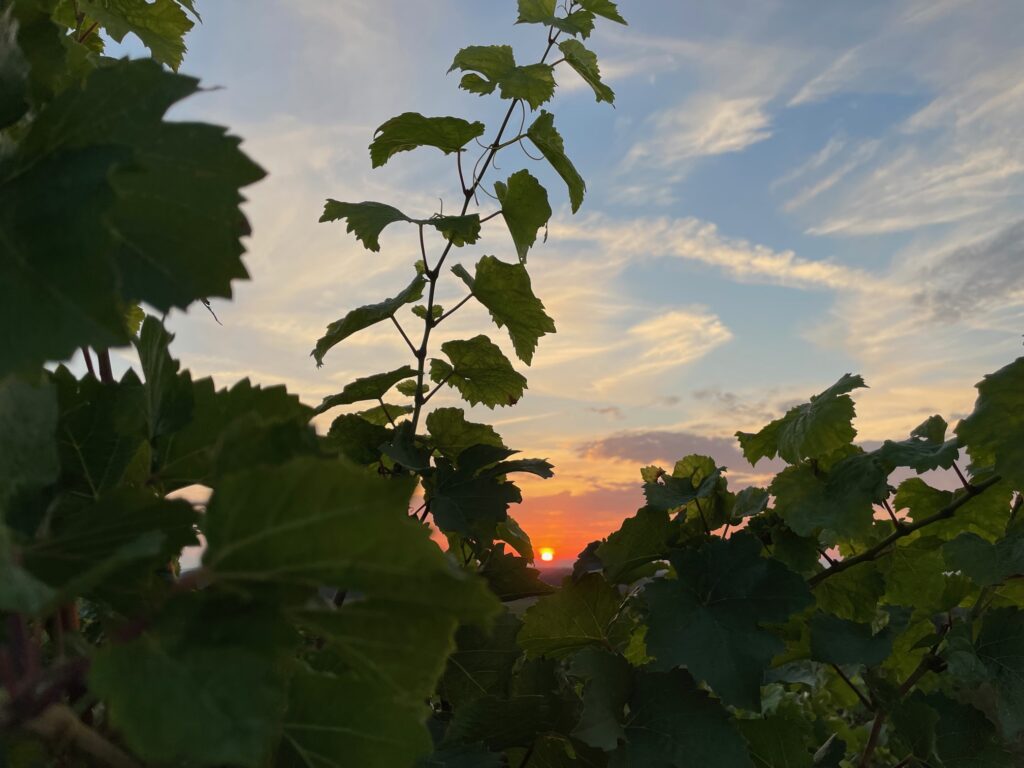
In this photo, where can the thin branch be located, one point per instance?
(385, 408)
(85, 35)
(435, 389)
(88, 361)
(703, 520)
(451, 311)
(830, 560)
(458, 163)
(423, 252)
(963, 480)
(412, 347)
(106, 372)
(488, 218)
(892, 515)
(863, 699)
(873, 552)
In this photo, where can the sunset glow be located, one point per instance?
(547, 554)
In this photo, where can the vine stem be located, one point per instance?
(863, 699)
(908, 528)
(451, 311)
(432, 274)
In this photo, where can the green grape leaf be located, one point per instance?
(28, 446)
(985, 563)
(102, 433)
(506, 291)
(749, 502)
(672, 722)
(852, 594)
(411, 130)
(348, 717)
(579, 22)
(169, 396)
(711, 618)
(545, 136)
(401, 646)
(177, 220)
(779, 740)
(367, 219)
(92, 542)
(494, 66)
(839, 641)
(220, 419)
(511, 577)
(509, 531)
(357, 439)
(605, 8)
(14, 71)
(584, 61)
(383, 415)
(642, 539)
(964, 738)
(607, 685)
(808, 431)
(460, 230)
(161, 25)
(451, 433)
(204, 685)
(404, 450)
(367, 388)
(499, 722)
(998, 660)
(479, 371)
(305, 524)
(525, 208)
(580, 614)
(926, 449)
(840, 500)
(990, 432)
(364, 317)
(695, 477)
(482, 662)
(409, 387)
(468, 502)
(913, 574)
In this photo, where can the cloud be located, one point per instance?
(701, 127)
(700, 241)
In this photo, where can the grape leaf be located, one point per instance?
(807, 431)
(509, 531)
(346, 716)
(460, 230)
(545, 136)
(466, 501)
(161, 25)
(695, 477)
(985, 563)
(367, 388)
(367, 219)
(578, 22)
(839, 641)
(479, 371)
(672, 722)
(451, 433)
(357, 439)
(580, 614)
(991, 432)
(607, 685)
(28, 447)
(494, 66)
(999, 648)
(506, 292)
(482, 662)
(642, 539)
(306, 524)
(511, 577)
(778, 740)
(711, 618)
(840, 500)
(498, 722)
(605, 8)
(852, 594)
(411, 130)
(204, 685)
(525, 208)
(963, 737)
(169, 396)
(926, 449)
(584, 61)
(401, 646)
(364, 317)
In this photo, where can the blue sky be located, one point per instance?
(784, 192)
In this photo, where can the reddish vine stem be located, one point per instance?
(88, 361)
(873, 552)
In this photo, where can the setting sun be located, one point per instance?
(547, 554)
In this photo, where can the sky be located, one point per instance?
(784, 192)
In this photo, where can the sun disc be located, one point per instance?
(547, 554)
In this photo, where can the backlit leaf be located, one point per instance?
(580, 614)
(367, 388)
(547, 139)
(524, 205)
(479, 371)
(584, 61)
(367, 219)
(411, 130)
